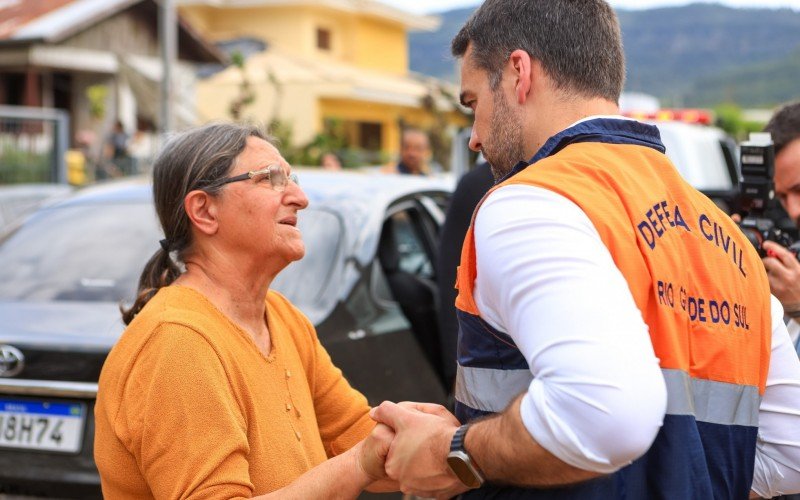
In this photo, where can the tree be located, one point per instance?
(246, 94)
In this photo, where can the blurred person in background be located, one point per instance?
(608, 348)
(117, 159)
(219, 387)
(142, 146)
(415, 153)
(329, 161)
(117, 142)
(783, 268)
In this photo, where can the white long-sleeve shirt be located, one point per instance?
(598, 396)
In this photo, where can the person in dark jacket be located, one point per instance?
(469, 191)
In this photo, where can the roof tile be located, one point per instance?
(16, 13)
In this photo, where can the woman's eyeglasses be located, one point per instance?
(274, 174)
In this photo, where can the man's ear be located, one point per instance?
(201, 208)
(522, 66)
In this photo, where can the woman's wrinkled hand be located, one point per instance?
(373, 452)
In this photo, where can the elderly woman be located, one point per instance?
(219, 387)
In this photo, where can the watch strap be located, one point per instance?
(457, 443)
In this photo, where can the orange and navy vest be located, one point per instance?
(702, 291)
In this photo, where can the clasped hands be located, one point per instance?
(408, 449)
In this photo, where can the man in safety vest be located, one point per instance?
(617, 334)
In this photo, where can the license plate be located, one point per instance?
(41, 425)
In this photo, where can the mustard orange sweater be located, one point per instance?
(188, 407)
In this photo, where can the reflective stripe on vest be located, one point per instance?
(491, 390)
(711, 402)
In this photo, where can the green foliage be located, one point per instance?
(311, 153)
(237, 59)
(441, 139)
(357, 157)
(330, 140)
(282, 133)
(765, 84)
(246, 93)
(97, 96)
(731, 119)
(20, 166)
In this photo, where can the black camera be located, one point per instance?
(757, 191)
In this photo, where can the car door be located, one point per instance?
(406, 254)
(392, 352)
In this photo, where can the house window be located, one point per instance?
(323, 39)
(12, 89)
(369, 136)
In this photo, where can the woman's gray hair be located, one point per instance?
(198, 158)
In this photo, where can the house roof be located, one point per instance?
(340, 81)
(54, 20)
(16, 13)
(371, 8)
(24, 22)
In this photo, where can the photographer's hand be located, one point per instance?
(783, 271)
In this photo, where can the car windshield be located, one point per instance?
(87, 252)
(97, 252)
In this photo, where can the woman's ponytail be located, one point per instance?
(159, 272)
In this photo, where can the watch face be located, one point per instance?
(463, 471)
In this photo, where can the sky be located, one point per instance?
(433, 6)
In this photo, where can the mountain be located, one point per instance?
(429, 53)
(758, 85)
(695, 55)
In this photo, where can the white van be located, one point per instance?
(706, 157)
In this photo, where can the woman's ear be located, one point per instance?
(201, 208)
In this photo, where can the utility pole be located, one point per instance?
(168, 36)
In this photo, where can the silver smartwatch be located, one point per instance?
(461, 463)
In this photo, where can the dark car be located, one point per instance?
(366, 282)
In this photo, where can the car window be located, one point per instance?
(87, 252)
(311, 283)
(413, 257)
(407, 243)
(97, 252)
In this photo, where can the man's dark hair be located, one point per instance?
(784, 126)
(410, 131)
(577, 41)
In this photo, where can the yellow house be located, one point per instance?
(315, 63)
